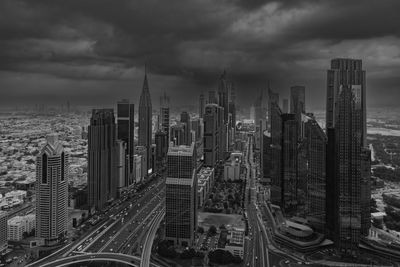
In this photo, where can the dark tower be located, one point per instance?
(145, 120)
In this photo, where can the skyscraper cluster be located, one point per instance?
(323, 175)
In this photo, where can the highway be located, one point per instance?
(128, 218)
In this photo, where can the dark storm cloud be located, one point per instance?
(72, 47)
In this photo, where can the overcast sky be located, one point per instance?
(93, 51)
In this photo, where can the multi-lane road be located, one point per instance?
(122, 228)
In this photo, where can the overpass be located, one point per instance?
(93, 257)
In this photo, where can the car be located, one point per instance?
(256, 258)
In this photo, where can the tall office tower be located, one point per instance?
(3, 231)
(161, 139)
(185, 120)
(222, 143)
(298, 105)
(145, 120)
(164, 113)
(126, 133)
(285, 105)
(348, 158)
(275, 149)
(52, 173)
(177, 134)
(181, 195)
(201, 106)
(212, 97)
(223, 95)
(123, 179)
(345, 72)
(316, 144)
(211, 134)
(102, 182)
(289, 181)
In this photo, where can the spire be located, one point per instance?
(145, 95)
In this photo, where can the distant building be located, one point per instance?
(161, 139)
(164, 114)
(18, 225)
(141, 150)
(102, 149)
(3, 231)
(185, 121)
(137, 159)
(212, 129)
(201, 105)
(232, 167)
(126, 133)
(181, 196)
(285, 105)
(177, 134)
(52, 174)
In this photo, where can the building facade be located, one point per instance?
(52, 174)
(102, 149)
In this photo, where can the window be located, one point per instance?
(62, 166)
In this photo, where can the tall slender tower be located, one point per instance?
(126, 133)
(102, 149)
(298, 105)
(348, 158)
(185, 119)
(223, 95)
(164, 113)
(145, 120)
(201, 106)
(52, 175)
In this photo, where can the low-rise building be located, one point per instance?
(205, 180)
(17, 225)
(232, 167)
(235, 243)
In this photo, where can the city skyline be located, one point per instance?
(103, 50)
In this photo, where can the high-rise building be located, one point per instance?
(316, 144)
(345, 72)
(124, 180)
(181, 196)
(52, 173)
(126, 133)
(164, 113)
(202, 105)
(212, 97)
(102, 182)
(185, 120)
(177, 134)
(223, 95)
(298, 105)
(145, 120)
(274, 150)
(161, 139)
(289, 180)
(142, 151)
(348, 187)
(3, 231)
(211, 134)
(285, 105)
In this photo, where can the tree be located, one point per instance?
(200, 230)
(212, 230)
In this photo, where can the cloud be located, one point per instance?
(188, 43)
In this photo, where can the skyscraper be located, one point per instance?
(345, 72)
(181, 195)
(349, 159)
(177, 134)
(274, 151)
(223, 95)
(3, 231)
(212, 97)
(316, 144)
(52, 173)
(201, 106)
(289, 180)
(102, 182)
(145, 120)
(211, 134)
(298, 105)
(161, 139)
(185, 120)
(164, 113)
(285, 105)
(126, 133)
